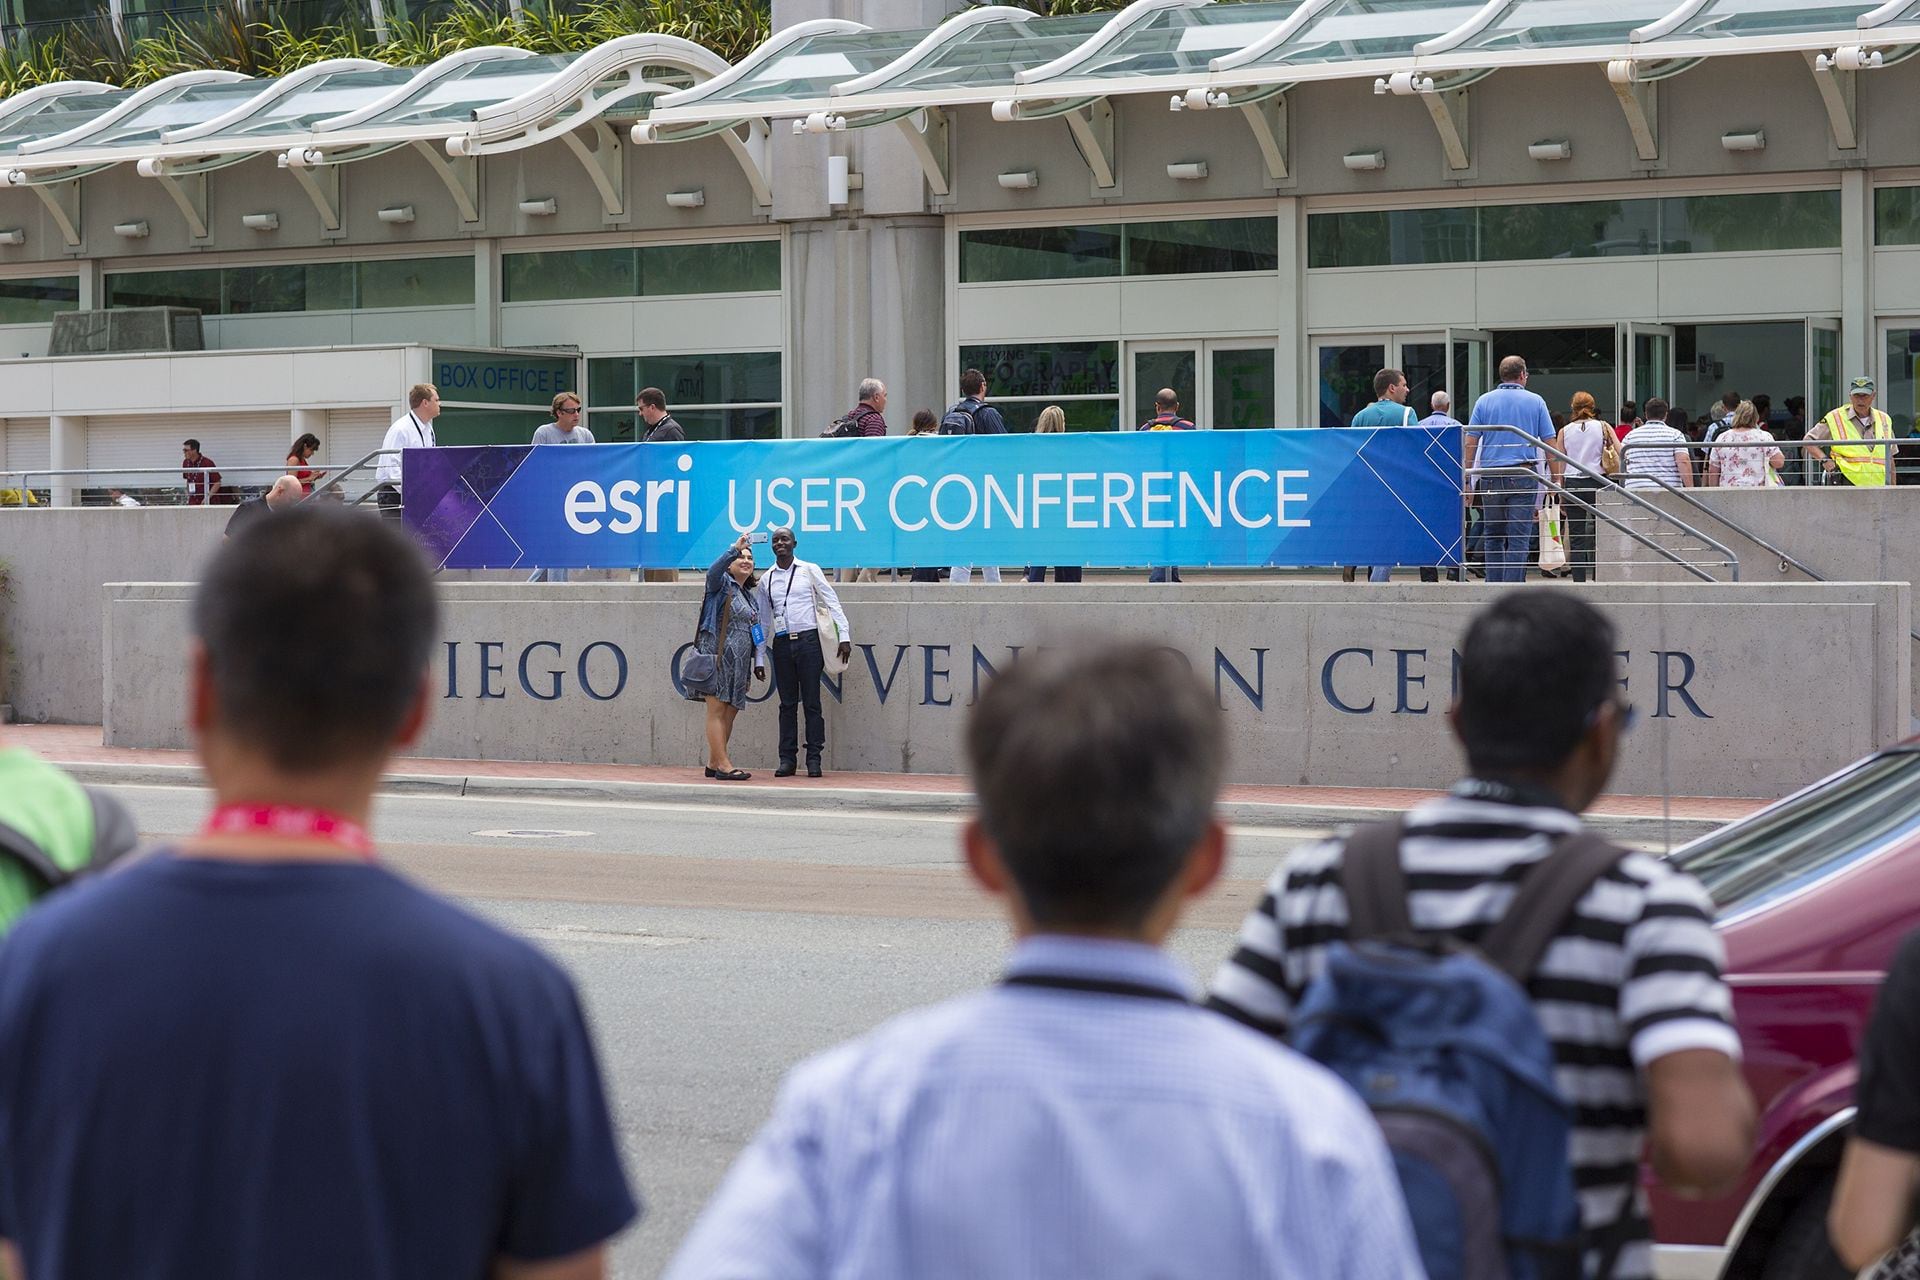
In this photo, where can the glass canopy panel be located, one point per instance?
(992, 52)
(1182, 41)
(188, 106)
(1772, 17)
(58, 116)
(1550, 24)
(336, 95)
(453, 99)
(1370, 29)
(810, 67)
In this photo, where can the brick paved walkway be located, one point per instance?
(80, 744)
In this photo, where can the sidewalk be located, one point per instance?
(77, 747)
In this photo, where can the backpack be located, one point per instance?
(959, 421)
(1442, 1043)
(843, 428)
(114, 835)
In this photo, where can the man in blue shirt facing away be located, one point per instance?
(1442, 415)
(260, 1053)
(1082, 1117)
(1507, 500)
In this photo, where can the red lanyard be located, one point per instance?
(286, 820)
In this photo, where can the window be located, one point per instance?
(718, 396)
(1196, 246)
(39, 299)
(1862, 811)
(662, 270)
(1896, 215)
(310, 286)
(1083, 378)
(1744, 223)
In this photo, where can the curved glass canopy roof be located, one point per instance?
(482, 101)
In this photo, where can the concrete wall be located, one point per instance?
(1323, 684)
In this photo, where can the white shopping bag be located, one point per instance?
(1553, 546)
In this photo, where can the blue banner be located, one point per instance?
(1388, 496)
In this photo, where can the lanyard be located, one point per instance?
(288, 820)
(1515, 793)
(419, 430)
(1096, 986)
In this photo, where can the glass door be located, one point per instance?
(1472, 368)
(1823, 374)
(1649, 362)
(1241, 393)
(1344, 369)
(1423, 358)
(1153, 366)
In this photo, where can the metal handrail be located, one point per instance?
(333, 481)
(1552, 452)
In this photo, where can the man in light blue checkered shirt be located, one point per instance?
(1083, 1118)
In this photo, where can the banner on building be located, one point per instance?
(1231, 498)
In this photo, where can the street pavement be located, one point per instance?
(717, 945)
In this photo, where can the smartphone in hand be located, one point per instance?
(758, 535)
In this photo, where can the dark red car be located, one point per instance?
(1814, 895)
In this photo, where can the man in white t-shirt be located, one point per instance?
(1654, 453)
(567, 427)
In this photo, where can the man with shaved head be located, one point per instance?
(283, 493)
(791, 598)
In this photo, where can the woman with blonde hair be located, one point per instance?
(1583, 439)
(1053, 421)
(1751, 467)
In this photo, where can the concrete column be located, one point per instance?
(1298, 392)
(1857, 338)
(314, 420)
(68, 441)
(93, 291)
(486, 292)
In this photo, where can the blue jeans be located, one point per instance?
(1506, 513)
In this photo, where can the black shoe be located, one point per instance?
(786, 769)
(709, 771)
(813, 768)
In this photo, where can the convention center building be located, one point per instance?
(1257, 204)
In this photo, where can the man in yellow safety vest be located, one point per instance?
(1849, 427)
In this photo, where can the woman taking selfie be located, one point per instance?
(720, 667)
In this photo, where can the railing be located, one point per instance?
(1807, 461)
(167, 486)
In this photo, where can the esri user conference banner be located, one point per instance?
(1314, 497)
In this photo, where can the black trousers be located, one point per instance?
(389, 497)
(797, 666)
(1061, 573)
(1581, 493)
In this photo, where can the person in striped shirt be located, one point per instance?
(1629, 992)
(1084, 1117)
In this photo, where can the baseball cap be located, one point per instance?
(1861, 386)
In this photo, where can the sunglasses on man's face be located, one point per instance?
(569, 408)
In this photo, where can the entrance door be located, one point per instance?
(1424, 359)
(1345, 367)
(1241, 393)
(1823, 374)
(1649, 350)
(1154, 365)
(1472, 368)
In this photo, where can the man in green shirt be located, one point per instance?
(51, 828)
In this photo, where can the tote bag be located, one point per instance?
(827, 629)
(1553, 547)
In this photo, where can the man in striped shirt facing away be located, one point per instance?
(1628, 991)
(1083, 1117)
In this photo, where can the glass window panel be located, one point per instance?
(1896, 215)
(610, 385)
(1082, 415)
(1039, 253)
(454, 97)
(1243, 389)
(811, 67)
(1202, 245)
(416, 282)
(199, 289)
(1547, 24)
(1047, 369)
(487, 426)
(1177, 371)
(38, 300)
(1346, 380)
(1583, 229)
(1178, 41)
(1901, 398)
(313, 286)
(1864, 810)
(740, 267)
(1354, 29)
(743, 377)
(993, 51)
(1396, 237)
(730, 424)
(1773, 17)
(1750, 223)
(569, 273)
(1425, 364)
(613, 426)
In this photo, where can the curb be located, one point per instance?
(1246, 813)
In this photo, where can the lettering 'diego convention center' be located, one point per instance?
(1353, 680)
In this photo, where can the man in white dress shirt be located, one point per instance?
(1082, 1117)
(412, 430)
(788, 597)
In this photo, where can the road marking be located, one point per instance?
(531, 833)
(620, 937)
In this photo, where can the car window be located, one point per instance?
(1814, 835)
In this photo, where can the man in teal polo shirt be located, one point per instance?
(1507, 501)
(1389, 409)
(50, 828)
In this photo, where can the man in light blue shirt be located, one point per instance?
(1082, 1117)
(567, 427)
(1507, 500)
(1442, 415)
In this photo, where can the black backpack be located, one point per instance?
(843, 428)
(959, 420)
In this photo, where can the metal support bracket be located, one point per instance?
(62, 200)
(321, 182)
(753, 151)
(461, 178)
(1640, 103)
(189, 193)
(605, 164)
(929, 145)
(1092, 129)
(1836, 88)
(1449, 112)
(1268, 120)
